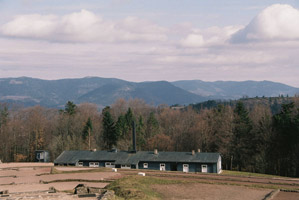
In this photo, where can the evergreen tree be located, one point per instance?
(4, 142)
(70, 108)
(285, 149)
(129, 117)
(243, 140)
(110, 136)
(152, 125)
(3, 115)
(87, 131)
(121, 126)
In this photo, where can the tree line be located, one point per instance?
(249, 138)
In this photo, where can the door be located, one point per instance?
(185, 168)
(173, 167)
(204, 168)
(162, 167)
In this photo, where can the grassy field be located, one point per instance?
(248, 174)
(138, 187)
(54, 170)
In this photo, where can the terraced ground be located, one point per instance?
(40, 180)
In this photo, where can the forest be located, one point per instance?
(251, 134)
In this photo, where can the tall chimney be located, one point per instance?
(198, 150)
(134, 136)
(156, 151)
(193, 152)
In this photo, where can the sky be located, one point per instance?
(151, 40)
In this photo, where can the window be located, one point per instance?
(41, 155)
(145, 165)
(93, 164)
(126, 166)
(80, 164)
(109, 164)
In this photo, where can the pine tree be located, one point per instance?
(243, 140)
(152, 126)
(87, 131)
(110, 135)
(129, 117)
(121, 126)
(70, 108)
(285, 148)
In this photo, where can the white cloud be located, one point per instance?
(136, 49)
(35, 26)
(193, 40)
(209, 37)
(276, 22)
(138, 29)
(82, 26)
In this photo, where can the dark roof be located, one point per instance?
(124, 157)
(177, 157)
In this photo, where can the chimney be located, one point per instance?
(198, 150)
(134, 137)
(193, 152)
(155, 151)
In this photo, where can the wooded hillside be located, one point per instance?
(250, 137)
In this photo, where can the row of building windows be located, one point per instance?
(145, 166)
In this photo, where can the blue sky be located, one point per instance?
(143, 40)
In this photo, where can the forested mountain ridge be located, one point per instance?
(236, 90)
(273, 103)
(104, 91)
(101, 91)
(50, 93)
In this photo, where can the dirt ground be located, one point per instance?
(286, 196)
(29, 181)
(23, 164)
(210, 192)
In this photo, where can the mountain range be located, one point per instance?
(104, 91)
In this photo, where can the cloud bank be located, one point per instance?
(83, 26)
(211, 36)
(278, 22)
(85, 44)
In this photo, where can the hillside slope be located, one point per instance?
(102, 91)
(236, 90)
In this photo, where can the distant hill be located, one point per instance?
(236, 90)
(274, 103)
(105, 91)
(102, 91)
